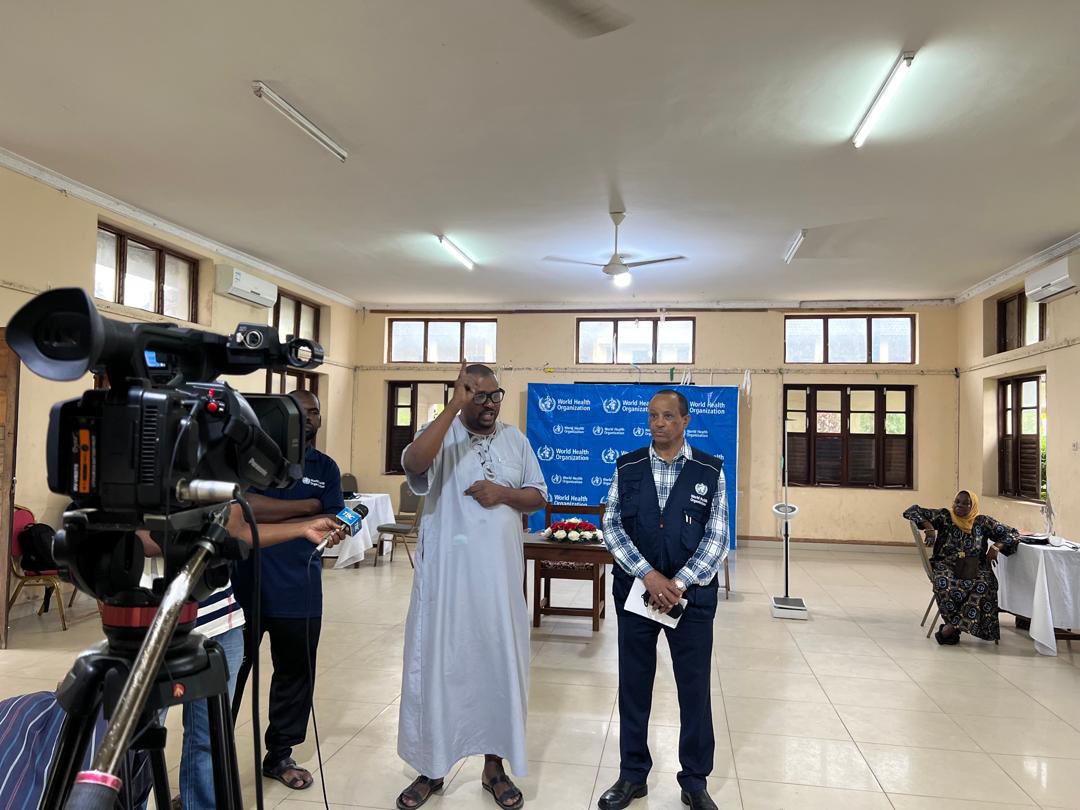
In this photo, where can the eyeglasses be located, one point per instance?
(496, 396)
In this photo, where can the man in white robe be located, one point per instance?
(466, 664)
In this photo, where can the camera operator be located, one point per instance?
(291, 602)
(220, 618)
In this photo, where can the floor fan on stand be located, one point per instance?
(787, 606)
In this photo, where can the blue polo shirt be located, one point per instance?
(291, 579)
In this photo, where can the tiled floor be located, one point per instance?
(853, 709)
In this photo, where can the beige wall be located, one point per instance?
(1059, 357)
(48, 239)
(727, 344)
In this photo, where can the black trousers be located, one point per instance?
(691, 654)
(291, 686)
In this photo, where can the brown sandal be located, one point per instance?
(413, 795)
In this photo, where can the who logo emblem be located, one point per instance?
(556, 479)
(612, 405)
(598, 430)
(545, 453)
(639, 431)
(547, 404)
(557, 429)
(597, 481)
(610, 456)
(701, 489)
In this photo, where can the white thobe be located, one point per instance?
(465, 678)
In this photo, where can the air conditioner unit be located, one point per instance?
(1054, 280)
(245, 286)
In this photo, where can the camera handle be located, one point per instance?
(97, 788)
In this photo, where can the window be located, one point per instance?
(294, 317)
(1020, 322)
(849, 436)
(136, 272)
(410, 405)
(442, 341)
(849, 339)
(635, 340)
(1022, 437)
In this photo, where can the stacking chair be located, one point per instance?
(924, 555)
(402, 533)
(34, 579)
(407, 503)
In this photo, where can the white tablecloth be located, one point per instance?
(1042, 583)
(351, 550)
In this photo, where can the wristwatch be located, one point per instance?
(680, 585)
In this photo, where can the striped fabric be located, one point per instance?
(219, 612)
(29, 734)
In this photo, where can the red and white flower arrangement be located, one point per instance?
(574, 530)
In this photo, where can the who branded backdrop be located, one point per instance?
(578, 431)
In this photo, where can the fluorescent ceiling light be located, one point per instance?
(621, 280)
(793, 248)
(882, 99)
(456, 252)
(262, 91)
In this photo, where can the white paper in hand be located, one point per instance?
(635, 604)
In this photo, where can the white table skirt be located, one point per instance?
(352, 549)
(1042, 583)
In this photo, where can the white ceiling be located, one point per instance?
(724, 125)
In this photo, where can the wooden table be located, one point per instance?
(539, 550)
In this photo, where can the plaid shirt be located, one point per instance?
(712, 550)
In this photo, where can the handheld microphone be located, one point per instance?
(351, 520)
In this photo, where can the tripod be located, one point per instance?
(150, 661)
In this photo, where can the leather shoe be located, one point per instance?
(621, 794)
(698, 800)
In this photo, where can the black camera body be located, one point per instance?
(165, 442)
(127, 451)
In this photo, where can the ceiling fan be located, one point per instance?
(615, 267)
(585, 18)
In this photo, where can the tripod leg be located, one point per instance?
(75, 734)
(160, 771)
(227, 793)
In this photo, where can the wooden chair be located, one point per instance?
(924, 555)
(545, 572)
(34, 579)
(402, 533)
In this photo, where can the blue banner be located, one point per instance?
(578, 431)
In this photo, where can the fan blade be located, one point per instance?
(585, 18)
(572, 261)
(656, 261)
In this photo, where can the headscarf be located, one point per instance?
(964, 524)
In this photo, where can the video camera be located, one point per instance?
(166, 435)
(165, 446)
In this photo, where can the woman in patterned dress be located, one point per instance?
(966, 544)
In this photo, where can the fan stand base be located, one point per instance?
(789, 607)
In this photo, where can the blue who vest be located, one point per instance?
(666, 539)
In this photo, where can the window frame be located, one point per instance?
(870, 318)
(655, 320)
(424, 343)
(881, 413)
(1039, 378)
(298, 301)
(161, 251)
(305, 380)
(1021, 321)
(392, 466)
